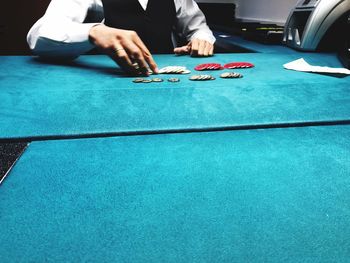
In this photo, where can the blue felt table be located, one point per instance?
(267, 195)
(89, 96)
(278, 195)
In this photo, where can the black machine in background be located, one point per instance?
(319, 25)
(344, 48)
(313, 25)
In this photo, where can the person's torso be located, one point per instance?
(154, 25)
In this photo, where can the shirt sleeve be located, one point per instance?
(191, 22)
(61, 32)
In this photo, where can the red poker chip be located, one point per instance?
(233, 65)
(208, 66)
(201, 67)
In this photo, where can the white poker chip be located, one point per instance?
(174, 70)
(138, 80)
(201, 77)
(174, 80)
(230, 75)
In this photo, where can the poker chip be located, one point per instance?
(157, 80)
(230, 75)
(138, 80)
(234, 65)
(208, 66)
(174, 70)
(174, 80)
(146, 81)
(201, 77)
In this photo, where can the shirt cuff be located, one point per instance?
(79, 33)
(204, 36)
(67, 44)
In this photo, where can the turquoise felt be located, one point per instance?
(89, 96)
(252, 45)
(278, 195)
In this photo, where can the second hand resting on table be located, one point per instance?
(126, 48)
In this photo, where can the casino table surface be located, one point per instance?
(255, 169)
(89, 97)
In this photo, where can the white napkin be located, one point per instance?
(302, 65)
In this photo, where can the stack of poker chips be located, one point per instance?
(201, 67)
(174, 70)
(217, 66)
(201, 77)
(144, 80)
(234, 65)
(231, 75)
(208, 66)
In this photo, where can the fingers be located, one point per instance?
(211, 50)
(139, 64)
(130, 59)
(201, 48)
(146, 54)
(120, 56)
(182, 50)
(194, 47)
(125, 48)
(208, 50)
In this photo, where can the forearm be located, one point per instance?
(192, 23)
(61, 31)
(48, 41)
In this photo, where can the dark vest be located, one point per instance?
(154, 26)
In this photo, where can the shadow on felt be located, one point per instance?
(71, 62)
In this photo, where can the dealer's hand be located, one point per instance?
(197, 48)
(125, 48)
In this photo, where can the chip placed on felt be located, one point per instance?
(208, 66)
(201, 77)
(201, 67)
(174, 80)
(174, 70)
(157, 80)
(206, 77)
(230, 75)
(233, 65)
(146, 81)
(138, 80)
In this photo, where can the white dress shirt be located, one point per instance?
(64, 29)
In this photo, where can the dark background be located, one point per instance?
(16, 18)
